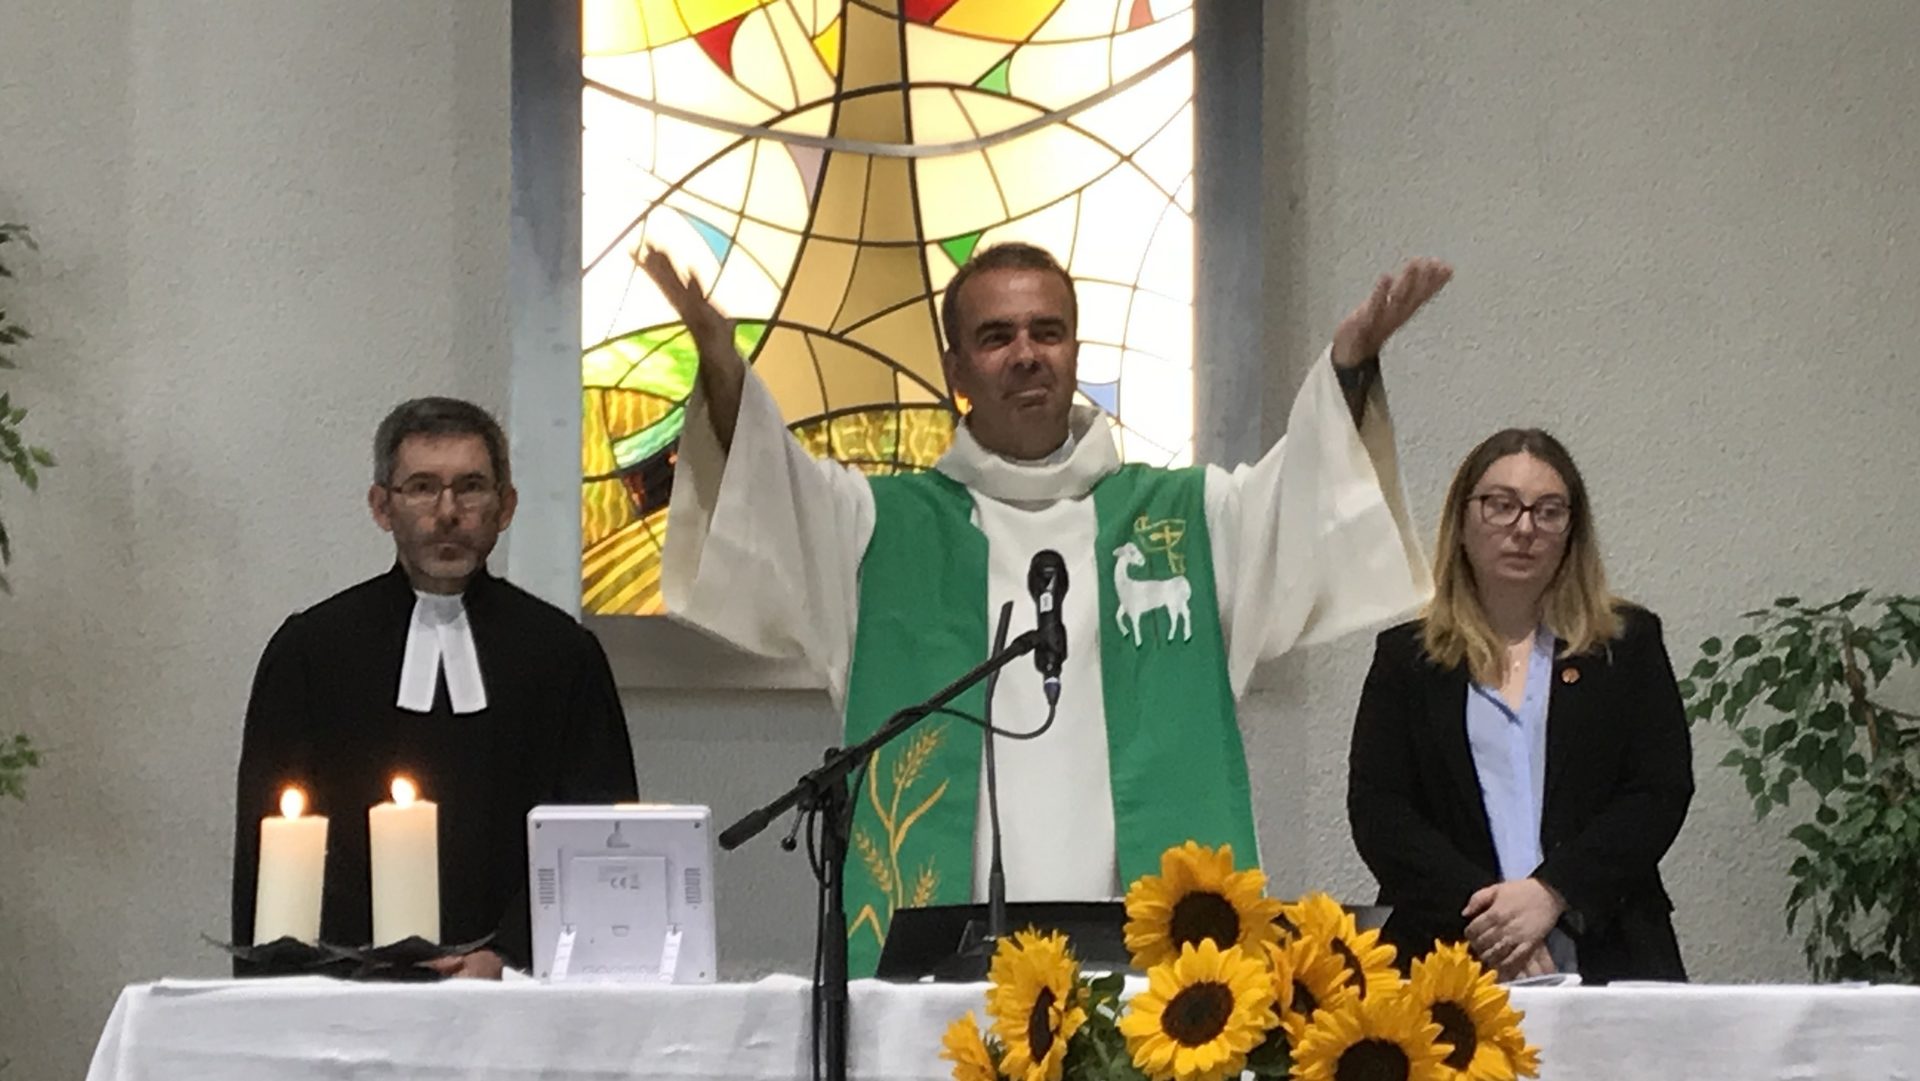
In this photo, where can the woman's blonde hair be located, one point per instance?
(1577, 606)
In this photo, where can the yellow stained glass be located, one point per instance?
(612, 27)
(999, 20)
(827, 43)
(823, 167)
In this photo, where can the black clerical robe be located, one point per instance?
(323, 717)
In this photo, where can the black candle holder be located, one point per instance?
(396, 962)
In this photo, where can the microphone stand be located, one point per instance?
(996, 872)
(974, 957)
(823, 792)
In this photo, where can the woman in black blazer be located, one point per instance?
(1520, 758)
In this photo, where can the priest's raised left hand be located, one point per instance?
(1365, 330)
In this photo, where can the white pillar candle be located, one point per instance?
(404, 842)
(293, 864)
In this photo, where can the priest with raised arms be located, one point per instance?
(489, 699)
(1182, 580)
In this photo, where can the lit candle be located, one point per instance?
(293, 864)
(404, 840)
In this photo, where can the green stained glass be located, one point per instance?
(996, 80)
(650, 440)
(960, 248)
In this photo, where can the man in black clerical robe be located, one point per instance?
(491, 700)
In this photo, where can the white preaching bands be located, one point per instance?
(439, 636)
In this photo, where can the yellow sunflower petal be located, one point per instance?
(1201, 1014)
(1319, 914)
(1388, 1034)
(1036, 1004)
(963, 1047)
(1197, 895)
(1474, 1013)
(1319, 980)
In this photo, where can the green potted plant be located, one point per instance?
(17, 754)
(1803, 691)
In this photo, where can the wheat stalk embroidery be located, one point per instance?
(882, 862)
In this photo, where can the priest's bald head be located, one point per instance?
(443, 487)
(1011, 319)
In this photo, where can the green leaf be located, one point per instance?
(1829, 718)
(1745, 646)
(1856, 766)
(1704, 669)
(1786, 602)
(1272, 1058)
(1735, 757)
(1779, 793)
(1688, 690)
(1812, 837)
(1778, 735)
(1769, 668)
(1826, 815)
(1824, 774)
(1852, 600)
(1711, 647)
(42, 455)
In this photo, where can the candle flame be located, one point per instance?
(404, 793)
(293, 802)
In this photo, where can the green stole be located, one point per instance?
(1177, 767)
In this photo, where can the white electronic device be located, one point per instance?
(622, 893)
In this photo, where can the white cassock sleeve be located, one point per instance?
(764, 544)
(1313, 541)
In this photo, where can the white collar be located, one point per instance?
(440, 637)
(1060, 453)
(1069, 472)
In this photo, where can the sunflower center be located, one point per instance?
(1198, 1013)
(1356, 973)
(1200, 916)
(1288, 929)
(1040, 1024)
(1303, 1001)
(1372, 1060)
(1456, 1028)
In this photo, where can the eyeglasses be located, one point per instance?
(1503, 511)
(469, 493)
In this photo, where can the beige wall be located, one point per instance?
(1686, 237)
(261, 224)
(1684, 234)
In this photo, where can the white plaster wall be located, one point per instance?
(261, 224)
(1685, 234)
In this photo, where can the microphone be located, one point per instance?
(1047, 581)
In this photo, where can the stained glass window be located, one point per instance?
(825, 167)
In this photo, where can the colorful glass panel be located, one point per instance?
(824, 167)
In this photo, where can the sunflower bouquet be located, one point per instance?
(1238, 983)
